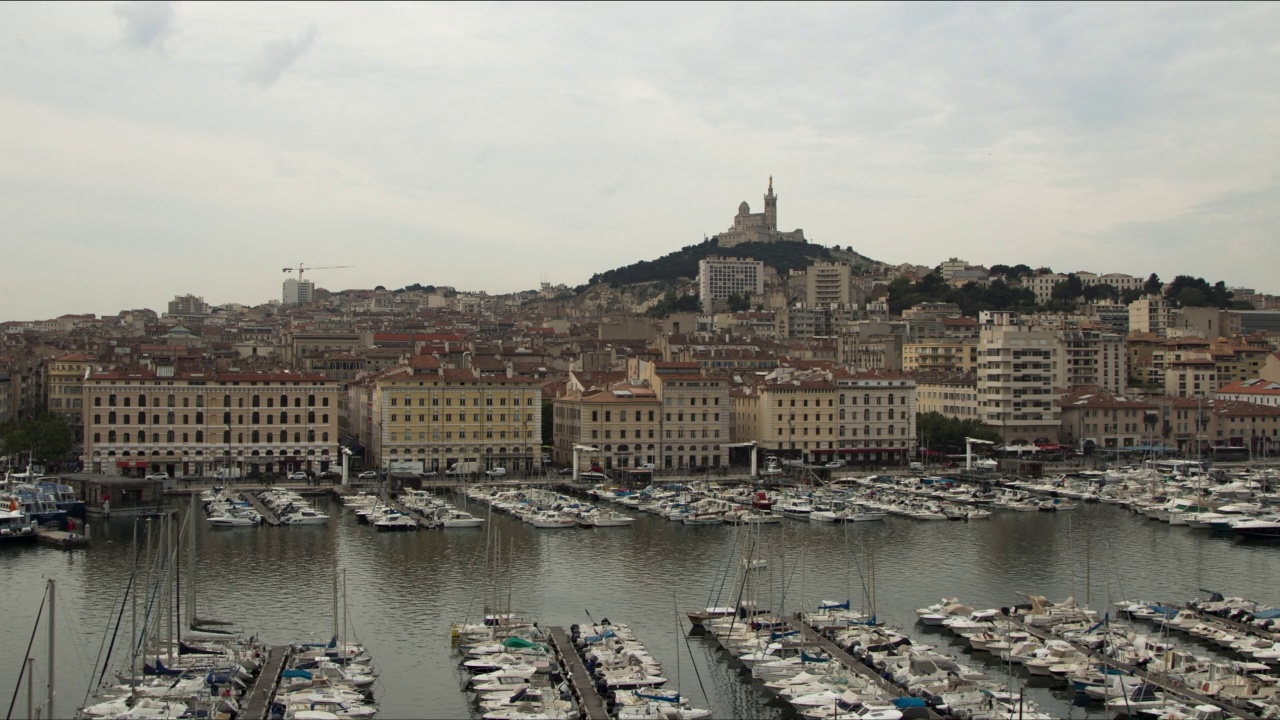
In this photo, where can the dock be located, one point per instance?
(258, 702)
(813, 637)
(422, 520)
(62, 539)
(1173, 686)
(584, 691)
(268, 516)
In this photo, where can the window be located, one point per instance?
(111, 436)
(199, 436)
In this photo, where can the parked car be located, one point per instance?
(565, 471)
(189, 477)
(158, 476)
(647, 466)
(496, 472)
(330, 475)
(428, 474)
(368, 475)
(298, 476)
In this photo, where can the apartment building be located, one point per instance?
(65, 377)
(720, 277)
(425, 417)
(623, 422)
(866, 416)
(954, 394)
(140, 421)
(1150, 314)
(1100, 419)
(1093, 358)
(941, 355)
(1192, 377)
(828, 284)
(1017, 373)
(694, 424)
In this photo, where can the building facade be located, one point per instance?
(762, 227)
(66, 389)
(720, 277)
(1018, 370)
(829, 284)
(142, 421)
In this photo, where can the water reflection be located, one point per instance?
(403, 589)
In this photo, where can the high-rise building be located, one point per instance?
(828, 284)
(1018, 368)
(298, 292)
(720, 277)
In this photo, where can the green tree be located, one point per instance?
(1068, 290)
(739, 302)
(46, 437)
(1101, 291)
(1153, 285)
(937, 431)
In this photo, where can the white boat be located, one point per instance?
(305, 516)
(394, 521)
(231, 521)
(611, 519)
(460, 519)
(547, 521)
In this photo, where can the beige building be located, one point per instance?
(694, 424)
(866, 416)
(829, 284)
(941, 355)
(1018, 370)
(66, 389)
(623, 422)
(1099, 419)
(1093, 358)
(1150, 314)
(952, 394)
(141, 421)
(426, 417)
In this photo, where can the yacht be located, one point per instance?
(395, 521)
(305, 516)
(460, 519)
(1267, 526)
(14, 525)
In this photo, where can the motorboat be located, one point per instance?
(1267, 526)
(395, 522)
(460, 519)
(305, 516)
(229, 520)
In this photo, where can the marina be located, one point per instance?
(1101, 553)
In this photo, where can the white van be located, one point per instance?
(917, 467)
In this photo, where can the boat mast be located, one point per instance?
(133, 630)
(335, 603)
(344, 606)
(52, 617)
(191, 564)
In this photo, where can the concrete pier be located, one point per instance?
(579, 679)
(258, 702)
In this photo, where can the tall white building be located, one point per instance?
(1018, 371)
(1094, 358)
(298, 292)
(720, 277)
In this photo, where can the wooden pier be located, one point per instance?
(62, 539)
(268, 516)
(813, 637)
(579, 680)
(258, 702)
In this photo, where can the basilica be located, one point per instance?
(762, 227)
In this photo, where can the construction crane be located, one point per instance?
(303, 268)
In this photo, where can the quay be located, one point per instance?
(258, 701)
(1170, 685)
(813, 637)
(268, 516)
(584, 691)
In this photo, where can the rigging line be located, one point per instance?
(692, 661)
(34, 628)
(79, 639)
(105, 633)
(119, 620)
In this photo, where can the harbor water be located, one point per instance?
(404, 589)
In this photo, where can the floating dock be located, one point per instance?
(62, 539)
(268, 516)
(584, 691)
(258, 702)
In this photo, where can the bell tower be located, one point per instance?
(770, 208)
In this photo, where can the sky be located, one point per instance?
(154, 149)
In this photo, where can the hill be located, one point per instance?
(683, 263)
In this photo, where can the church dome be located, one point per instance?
(744, 209)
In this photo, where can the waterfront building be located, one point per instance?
(1096, 418)
(139, 421)
(1018, 370)
(623, 421)
(425, 416)
(694, 424)
(864, 416)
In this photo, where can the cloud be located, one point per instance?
(146, 24)
(278, 55)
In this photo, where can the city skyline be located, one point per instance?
(156, 149)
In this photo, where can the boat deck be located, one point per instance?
(258, 701)
(268, 516)
(583, 689)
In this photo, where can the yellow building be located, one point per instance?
(951, 394)
(66, 389)
(941, 355)
(425, 417)
(622, 421)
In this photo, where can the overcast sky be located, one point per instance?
(152, 149)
